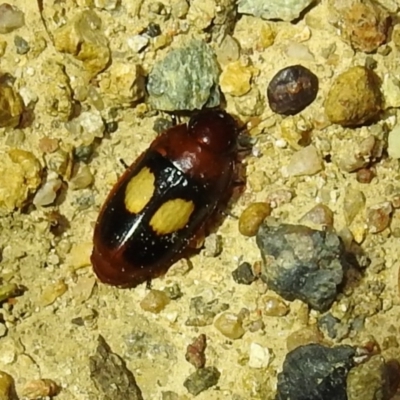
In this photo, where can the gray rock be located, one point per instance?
(302, 263)
(110, 375)
(287, 10)
(333, 327)
(187, 79)
(315, 372)
(201, 380)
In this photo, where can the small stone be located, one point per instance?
(302, 263)
(20, 176)
(254, 33)
(138, 43)
(354, 97)
(7, 385)
(82, 179)
(329, 324)
(391, 91)
(365, 175)
(179, 8)
(394, 142)
(315, 372)
(259, 356)
(363, 24)
(52, 292)
(155, 301)
(9, 290)
(292, 89)
(22, 46)
(9, 351)
(40, 388)
(91, 126)
(110, 375)
(11, 18)
(169, 395)
(201, 380)
(368, 151)
(230, 325)
(202, 312)
(379, 216)
(186, 79)
(58, 96)
(252, 217)
(353, 203)
(273, 307)
(243, 274)
(48, 192)
(306, 161)
(83, 38)
(48, 145)
(122, 83)
(320, 215)
(369, 380)
(174, 292)
(195, 352)
(280, 197)
(303, 337)
(275, 9)
(162, 124)
(251, 104)
(213, 245)
(11, 107)
(108, 5)
(235, 79)
(3, 330)
(228, 50)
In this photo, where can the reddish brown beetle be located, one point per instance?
(165, 199)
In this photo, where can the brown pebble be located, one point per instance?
(48, 145)
(379, 216)
(365, 175)
(195, 352)
(40, 388)
(292, 89)
(364, 25)
(155, 301)
(319, 215)
(303, 336)
(252, 217)
(274, 307)
(230, 325)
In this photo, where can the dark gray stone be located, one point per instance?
(111, 376)
(315, 372)
(201, 380)
(187, 79)
(302, 263)
(243, 274)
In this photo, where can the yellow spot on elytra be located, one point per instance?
(172, 216)
(139, 191)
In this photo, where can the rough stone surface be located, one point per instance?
(110, 375)
(287, 10)
(370, 381)
(354, 98)
(315, 372)
(302, 263)
(82, 38)
(201, 380)
(363, 24)
(186, 79)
